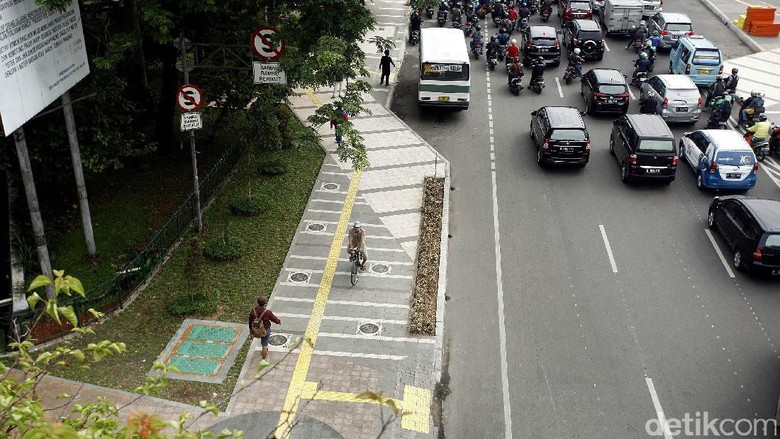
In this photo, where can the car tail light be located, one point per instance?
(713, 167)
(699, 102)
(587, 146)
(755, 166)
(664, 32)
(690, 33)
(599, 95)
(546, 146)
(757, 255)
(720, 70)
(632, 159)
(624, 95)
(575, 41)
(665, 103)
(674, 161)
(688, 69)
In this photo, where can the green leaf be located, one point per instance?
(51, 310)
(67, 311)
(40, 281)
(76, 286)
(33, 300)
(59, 273)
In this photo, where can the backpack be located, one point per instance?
(258, 329)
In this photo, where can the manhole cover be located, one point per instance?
(380, 268)
(369, 328)
(330, 186)
(315, 227)
(299, 277)
(278, 340)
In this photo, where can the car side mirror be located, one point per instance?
(533, 113)
(583, 112)
(559, 32)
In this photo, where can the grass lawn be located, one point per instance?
(146, 326)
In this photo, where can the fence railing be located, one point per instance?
(112, 293)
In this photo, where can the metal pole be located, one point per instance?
(75, 156)
(193, 153)
(35, 210)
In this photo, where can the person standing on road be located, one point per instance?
(262, 312)
(384, 64)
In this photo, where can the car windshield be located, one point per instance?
(735, 158)
(678, 27)
(656, 145)
(773, 240)
(544, 41)
(706, 57)
(580, 6)
(445, 72)
(563, 134)
(590, 35)
(613, 89)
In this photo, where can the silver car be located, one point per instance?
(652, 7)
(670, 26)
(677, 97)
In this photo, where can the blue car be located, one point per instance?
(721, 159)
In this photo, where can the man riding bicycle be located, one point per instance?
(357, 241)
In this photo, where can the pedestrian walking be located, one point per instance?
(384, 64)
(260, 325)
(341, 116)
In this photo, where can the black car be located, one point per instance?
(644, 148)
(605, 91)
(541, 41)
(584, 35)
(560, 136)
(751, 228)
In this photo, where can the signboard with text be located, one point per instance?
(191, 121)
(42, 55)
(268, 73)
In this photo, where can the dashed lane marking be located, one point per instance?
(560, 90)
(341, 318)
(720, 254)
(344, 302)
(659, 411)
(609, 249)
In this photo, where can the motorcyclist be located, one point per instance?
(752, 104)
(546, 6)
(641, 65)
(732, 81)
(715, 90)
(575, 60)
(524, 12)
(492, 48)
(443, 6)
(471, 16)
(655, 40)
(503, 36)
(511, 15)
(415, 22)
(476, 38)
(515, 71)
(456, 13)
(513, 52)
(721, 110)
(498, 11)
(357, 240)
(537, 71)
(760, 130)
(639, 34)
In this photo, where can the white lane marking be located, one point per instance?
(342, 319)
(605, 46)
(357, 355)
(720, 254)
(342, 302)
(323, 258)
(631, 93)
(377, 337)
(560, 90)
(609, 249)
(659, 411)
(771, 172)
(500, 287)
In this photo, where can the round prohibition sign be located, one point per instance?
(189, 97)
(264, 47)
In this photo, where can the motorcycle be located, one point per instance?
(637, 44)
(515, 86)
(752, 118)
(492, 61)
(523, 24)
(501, 51)
(639, 79)
(570, 74)
(761, 149)
(545, 14)
(455, 24)
(476, 48)
(469, 29)
(429, 11)
(534, 7)
(537, 84)
(718, 123)
(441, 18)
(415, 37)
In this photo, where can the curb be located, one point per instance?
(750, 42)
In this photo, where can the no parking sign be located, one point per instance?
(264, 47)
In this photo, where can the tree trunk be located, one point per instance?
(166, 107)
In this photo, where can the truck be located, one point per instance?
(621, 17)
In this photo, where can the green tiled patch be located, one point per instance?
(198, 349)
(212, 333)
(200, 366)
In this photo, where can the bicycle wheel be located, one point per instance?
(354, 275)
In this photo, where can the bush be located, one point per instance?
(225, 248)
(249, 205)
(272, 168)
(192, 304)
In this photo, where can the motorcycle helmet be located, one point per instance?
(643, 23)
(357, 224)
(540, 59)
(577, 51)
(478, 29)
(655, 33)
(643, 55)
(734, 71)
(762, 118)
(492, 38)
(720, 78)
(754, 93)
(514, 41)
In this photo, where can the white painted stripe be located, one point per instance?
(720, 254)
(299, 284)
(340, 174)
(343, 302)
(606, 47)
(321, 211)
(355, 355)
(560, 90)
(609, 249)
(369, 274)
(320, 200)
(323, 258)
(395, 9)
(336, 222)
(326, 233)
(342, 318)
(631, 93)
(378, 337)
(376, 249)
(330, 192)
(659, 411)
(302, 270)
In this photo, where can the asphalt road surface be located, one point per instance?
(610, 306)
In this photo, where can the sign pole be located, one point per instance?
(193, 153)
(35, 210)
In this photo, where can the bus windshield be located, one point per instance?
(445, 72)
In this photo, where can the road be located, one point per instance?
(615, 305)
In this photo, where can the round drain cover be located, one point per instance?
(330, 186)
(316, 227)
(299, 277)
(380, 268)
(277, 340)
(369, 328)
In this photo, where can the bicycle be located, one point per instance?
(357, 263)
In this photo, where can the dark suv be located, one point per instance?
(751, 227)
(560, 136)
(541, 41)
(644, 147)
(585, 35)
(573, 9)
(605, 90)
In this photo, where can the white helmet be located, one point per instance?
(514, 41)
(577, 51)
(643, 23)
(357, 224)
(754, 93)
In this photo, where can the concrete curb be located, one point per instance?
(745, 38)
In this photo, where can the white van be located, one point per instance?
(621, 16)
(444, 69)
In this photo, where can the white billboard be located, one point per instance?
(42, 55)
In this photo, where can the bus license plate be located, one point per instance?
(444, 98)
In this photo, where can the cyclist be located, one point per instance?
(357, 241)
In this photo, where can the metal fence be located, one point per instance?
(112, 293)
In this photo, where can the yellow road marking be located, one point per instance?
(417, 409)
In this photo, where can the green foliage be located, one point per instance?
(197, 303)
(272, 167)
(249, 205)
(26, 254)
(225, 248)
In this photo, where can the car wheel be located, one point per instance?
(700, 183)
(611, 145)
(711, 219)
(624, 173)
(738, 260)
(670, 67)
